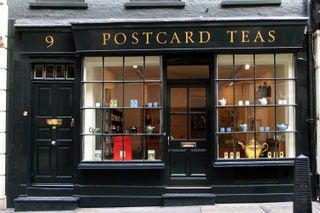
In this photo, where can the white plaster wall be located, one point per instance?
(3, 94)
(317, 76)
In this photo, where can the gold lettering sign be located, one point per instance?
(49, 40)
(54, 122)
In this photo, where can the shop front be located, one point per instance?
(163, 113)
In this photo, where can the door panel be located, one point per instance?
(52, 138)
(188, 135)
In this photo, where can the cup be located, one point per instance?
(228, 129)
(247, 102)
(280, 102)
(240, 103)
(222, 129)
(267, 128)
(155, 104)
(150, 104)
(261, 129)
(98, 104)
(284, 101)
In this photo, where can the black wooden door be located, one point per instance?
(188, 137)
(52, 138)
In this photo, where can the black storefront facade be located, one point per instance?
(180, 112)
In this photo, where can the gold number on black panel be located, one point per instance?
(49, 40)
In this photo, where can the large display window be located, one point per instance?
(121, 108)
(255, 106)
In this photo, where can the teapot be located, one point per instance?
(244, 127)
(282, 127)
(149, 129)
(263, 101)
(222, 101)
(253, 150)
(133, 129)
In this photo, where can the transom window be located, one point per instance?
(255, 106)
(53, 71)
(121, 108)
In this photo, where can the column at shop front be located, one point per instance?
(317, 76)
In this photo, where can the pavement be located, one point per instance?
(280, 207)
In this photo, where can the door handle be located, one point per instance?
(72, 122)
(53, 142)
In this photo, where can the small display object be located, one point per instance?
(122, 151)
(222, 102)
(133, 103)
(151, 154)
(113, 103)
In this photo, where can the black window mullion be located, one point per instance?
(254, 105)
(234, 100)
(123, 105)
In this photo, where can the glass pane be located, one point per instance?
(49, 72)
(119, 153)
(178, 98)
(244, 66)
(92, 148)
(133, 69)
(108, 148)
(198, 125)
(70, 71)
(265, 92)
(244, 92)
(178, 126)
(244, 119)
(113, 68)
(152, 67)
(225, 93)
(153, 148)
(241, 141)
(60, 70)
(197, 99)
(113, 94)
(286, 145)
(152, 95)
(38, 71)
(133, 95)
(152, 118)
(138, 149)
(285, 117)
(92, 94)
(113, 121)
(92, 69)
(188, 72)
(285, 92)
(284, 66)
(264, 66)
(133, 121)
(225, 119)
(265, 119)
(92, 121)
(226, 146)
(225, 66)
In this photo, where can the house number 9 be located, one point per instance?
(49, 41)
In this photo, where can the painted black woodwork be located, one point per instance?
(52, 163)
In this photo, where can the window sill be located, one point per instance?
(253, 163)
(156, 165)
(249, 3)
(154, 4)
(58, 5)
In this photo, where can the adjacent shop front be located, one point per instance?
(126, 114)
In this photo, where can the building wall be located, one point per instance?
(3, 95)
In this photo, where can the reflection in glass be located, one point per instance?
(60, 71)
(285, 92)
(178, 126)
(49, 73)
(137, 148)
(178, 100)
(38, 71)
(153, 148)
(197, 99)
(70, 71)
(133, 68)
(244, 66)
(188, 72)
(92, 69)
(152, 95)
(264, 66)
(108, 148)
(113, 68)
(225, 66)
(133, 95)
(152, 67)
(198, 125)
(284, 66)
(92, 94)
(225, 117)
(225, 91)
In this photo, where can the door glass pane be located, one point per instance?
(178, 100)
(197, 99)
(198, 126)
(179, 126)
